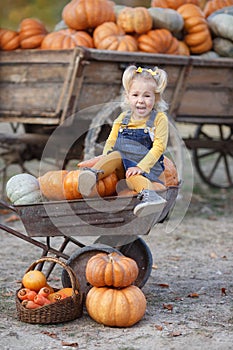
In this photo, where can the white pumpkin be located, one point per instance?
(23, 189)
(222, 25)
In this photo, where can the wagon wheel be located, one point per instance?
(213, 159)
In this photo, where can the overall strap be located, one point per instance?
(126, 119)
(151, 120)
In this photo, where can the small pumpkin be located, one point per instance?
(34, 280)
(31, 33)
(23, 189)
(9, 40)
(169, 175)
(66, 39)
(112, 270)
(88, 14)
(183, 48)
(116, 307)
(109, 36)
(214, 5)
(135, 20)
(173, 4)
(158, 41)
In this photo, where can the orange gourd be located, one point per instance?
(135, 20)
(197, 33)
(9, 40)
(116, 307)
(113, 270)
(158, 41)
(66, 39)
(63, 184)
(88, 14)
(214, 5)
(31, 33)
(51, 184)
(173, 4)
(109, 36)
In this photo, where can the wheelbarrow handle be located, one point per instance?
(7, 205)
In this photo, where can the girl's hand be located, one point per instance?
(133, 171)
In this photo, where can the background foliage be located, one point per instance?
(49, 12)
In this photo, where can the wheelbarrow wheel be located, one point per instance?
(133, 247)
(214, 158)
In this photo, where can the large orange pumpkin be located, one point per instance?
(198, 36)
(88, 14)
(135, 20)
(158, 41)
(67, 39)
(31, 33)
(112, 270)
(116, 307)
(109, 36)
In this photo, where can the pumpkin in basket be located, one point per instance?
(87, 14)
(198, 36)
(66, 39)
(158, 41)
(173, 4)
(31, 33)
(112, 270)
(9, 40)
(135, 20)
(23, 189)
(109, 36)
(116, 307)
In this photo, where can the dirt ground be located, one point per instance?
(189, 292)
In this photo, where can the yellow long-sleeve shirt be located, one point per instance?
(159, 143)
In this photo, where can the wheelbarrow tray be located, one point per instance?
(91, 217)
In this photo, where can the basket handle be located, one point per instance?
(73, 277)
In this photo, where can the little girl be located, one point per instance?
(137, 141)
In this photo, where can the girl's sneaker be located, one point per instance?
(87, 180)
(151, 203)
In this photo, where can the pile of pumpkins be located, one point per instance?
(177, 27)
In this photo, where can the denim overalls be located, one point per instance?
(133, 144)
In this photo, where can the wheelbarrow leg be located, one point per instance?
(61, 249)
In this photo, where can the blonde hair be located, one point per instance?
(157, 75)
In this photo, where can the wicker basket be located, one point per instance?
(63, 310)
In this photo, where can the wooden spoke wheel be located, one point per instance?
(213, 156)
